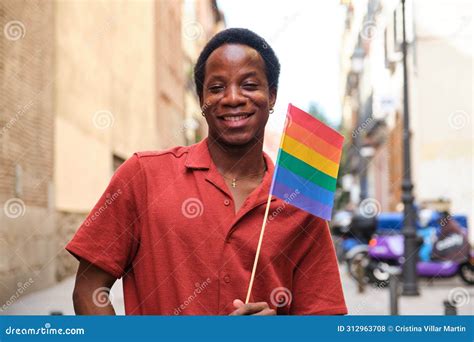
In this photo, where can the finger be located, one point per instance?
(238, 303)
(251, 308)
(235, 313)
(266, 312)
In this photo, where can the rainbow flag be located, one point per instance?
(307, 164)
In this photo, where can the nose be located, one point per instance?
(233, 97)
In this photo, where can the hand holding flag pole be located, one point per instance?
(308, 161)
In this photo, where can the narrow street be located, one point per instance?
(373, 301)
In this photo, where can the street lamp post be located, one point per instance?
(410, 281)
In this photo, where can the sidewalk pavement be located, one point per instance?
(59, 298)
(373, 301)
(376, 301)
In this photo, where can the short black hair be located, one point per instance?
(238, 36)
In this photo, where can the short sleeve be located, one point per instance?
(317, 286)
(109, 237)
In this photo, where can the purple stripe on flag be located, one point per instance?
(308, 188)
(301, 201)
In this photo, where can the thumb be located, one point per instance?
(238, 303)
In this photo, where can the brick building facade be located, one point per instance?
(84, 84)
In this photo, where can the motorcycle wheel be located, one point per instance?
(466, 272)
(377, 275)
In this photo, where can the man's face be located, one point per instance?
(236, 98)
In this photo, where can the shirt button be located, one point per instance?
(226, 202)
(227, 278)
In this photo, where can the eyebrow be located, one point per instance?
(217, 77)
(250, 73)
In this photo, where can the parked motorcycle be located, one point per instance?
(387, 250)
(441, 254)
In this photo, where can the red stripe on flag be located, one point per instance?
(315, 126)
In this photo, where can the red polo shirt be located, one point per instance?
(166, 224)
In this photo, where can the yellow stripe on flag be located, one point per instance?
(309, 156)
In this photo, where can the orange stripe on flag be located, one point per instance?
(314, 142)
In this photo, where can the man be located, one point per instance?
(181, 226)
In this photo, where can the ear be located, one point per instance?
(273, 97)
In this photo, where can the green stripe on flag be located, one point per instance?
(306, 171)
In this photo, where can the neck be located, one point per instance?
(237, 160)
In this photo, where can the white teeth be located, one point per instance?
(236, 118)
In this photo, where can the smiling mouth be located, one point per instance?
(235, 117)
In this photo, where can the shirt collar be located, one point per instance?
(200, 158)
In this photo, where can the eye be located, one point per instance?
(216, 88)
(250, 86)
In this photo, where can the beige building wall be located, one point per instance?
(169, 77)
(27, 230)
(86, 81)
(106, 93)
(442, 104)
(119, 90)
